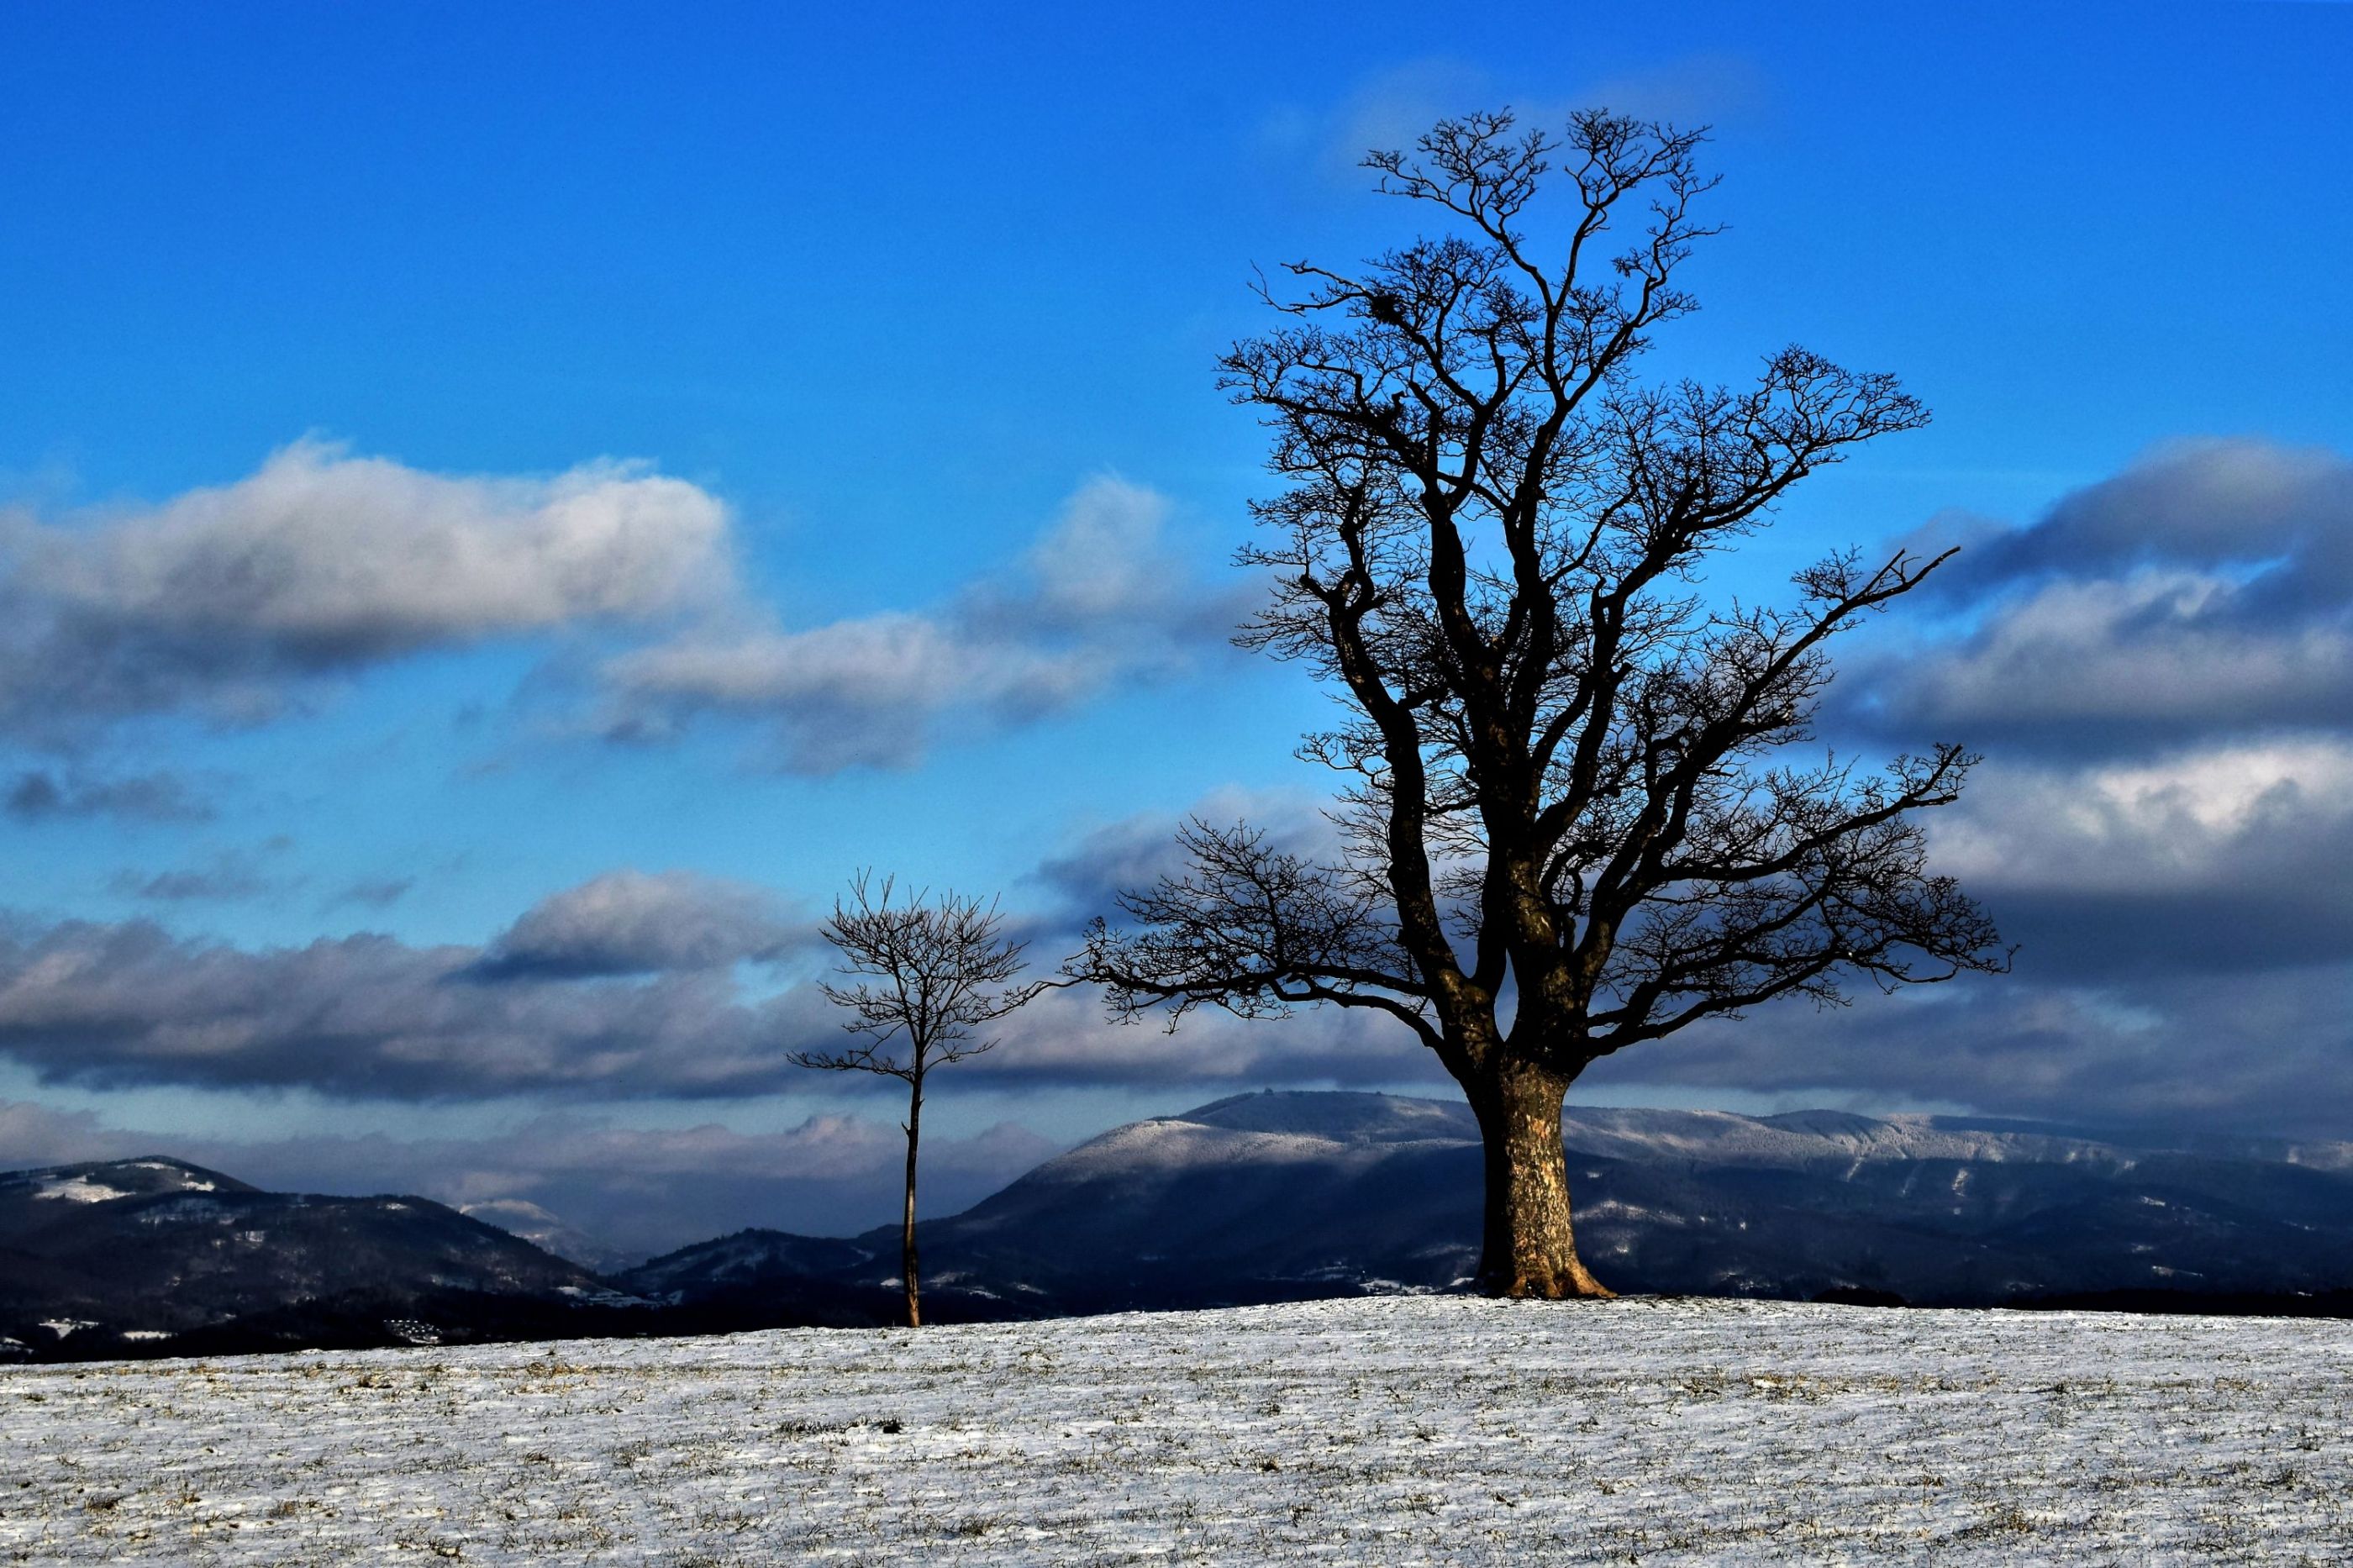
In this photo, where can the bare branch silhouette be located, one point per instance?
(1579, 810)
(920, 976)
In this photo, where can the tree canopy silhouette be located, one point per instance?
(1581, 809)
(923, 974)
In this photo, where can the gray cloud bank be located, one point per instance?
(629, 987)
(367, 1015)
(2159, 671)
(2206, 590)
(2264, 1054)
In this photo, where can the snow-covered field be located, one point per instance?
(1389, 1430)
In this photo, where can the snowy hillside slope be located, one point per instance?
(549, 1232)
(1275, 1196)
(1411, 1429)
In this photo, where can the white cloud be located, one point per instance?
(2225, 814)
(637, 922)
(226, 599)
(240, 601)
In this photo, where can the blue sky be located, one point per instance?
(896, 293)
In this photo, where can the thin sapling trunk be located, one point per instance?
(921, 976)
(907, 1262)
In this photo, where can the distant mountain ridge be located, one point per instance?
(124, 1252)
(1271, 1195)
(1258, 1198)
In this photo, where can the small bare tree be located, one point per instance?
(923, 974)
(1582, 812)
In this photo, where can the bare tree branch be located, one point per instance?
(920, 976)
(1576, 815)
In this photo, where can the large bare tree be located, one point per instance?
(1581, 812)
(923, 974)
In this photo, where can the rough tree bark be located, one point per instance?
(1527, 1244)
(1579, 812)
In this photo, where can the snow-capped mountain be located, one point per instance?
(1273, 1195)
(133, 1251)
(1256, 1198)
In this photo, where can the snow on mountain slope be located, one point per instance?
(1266, 1197)
(157, 1247)
(1369, 1118)
(103, 1181)
(1374, 1431)
(1805, 1137)
(548, 1232)
(1252, 1198)
(1812, 1138)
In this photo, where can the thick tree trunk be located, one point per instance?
(1528, 1248)
(907, 1230)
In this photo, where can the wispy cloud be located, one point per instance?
(1391, 109)
(227, 874)
(375, 893)
(40, 795)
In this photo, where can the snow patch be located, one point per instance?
(80, 1190)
